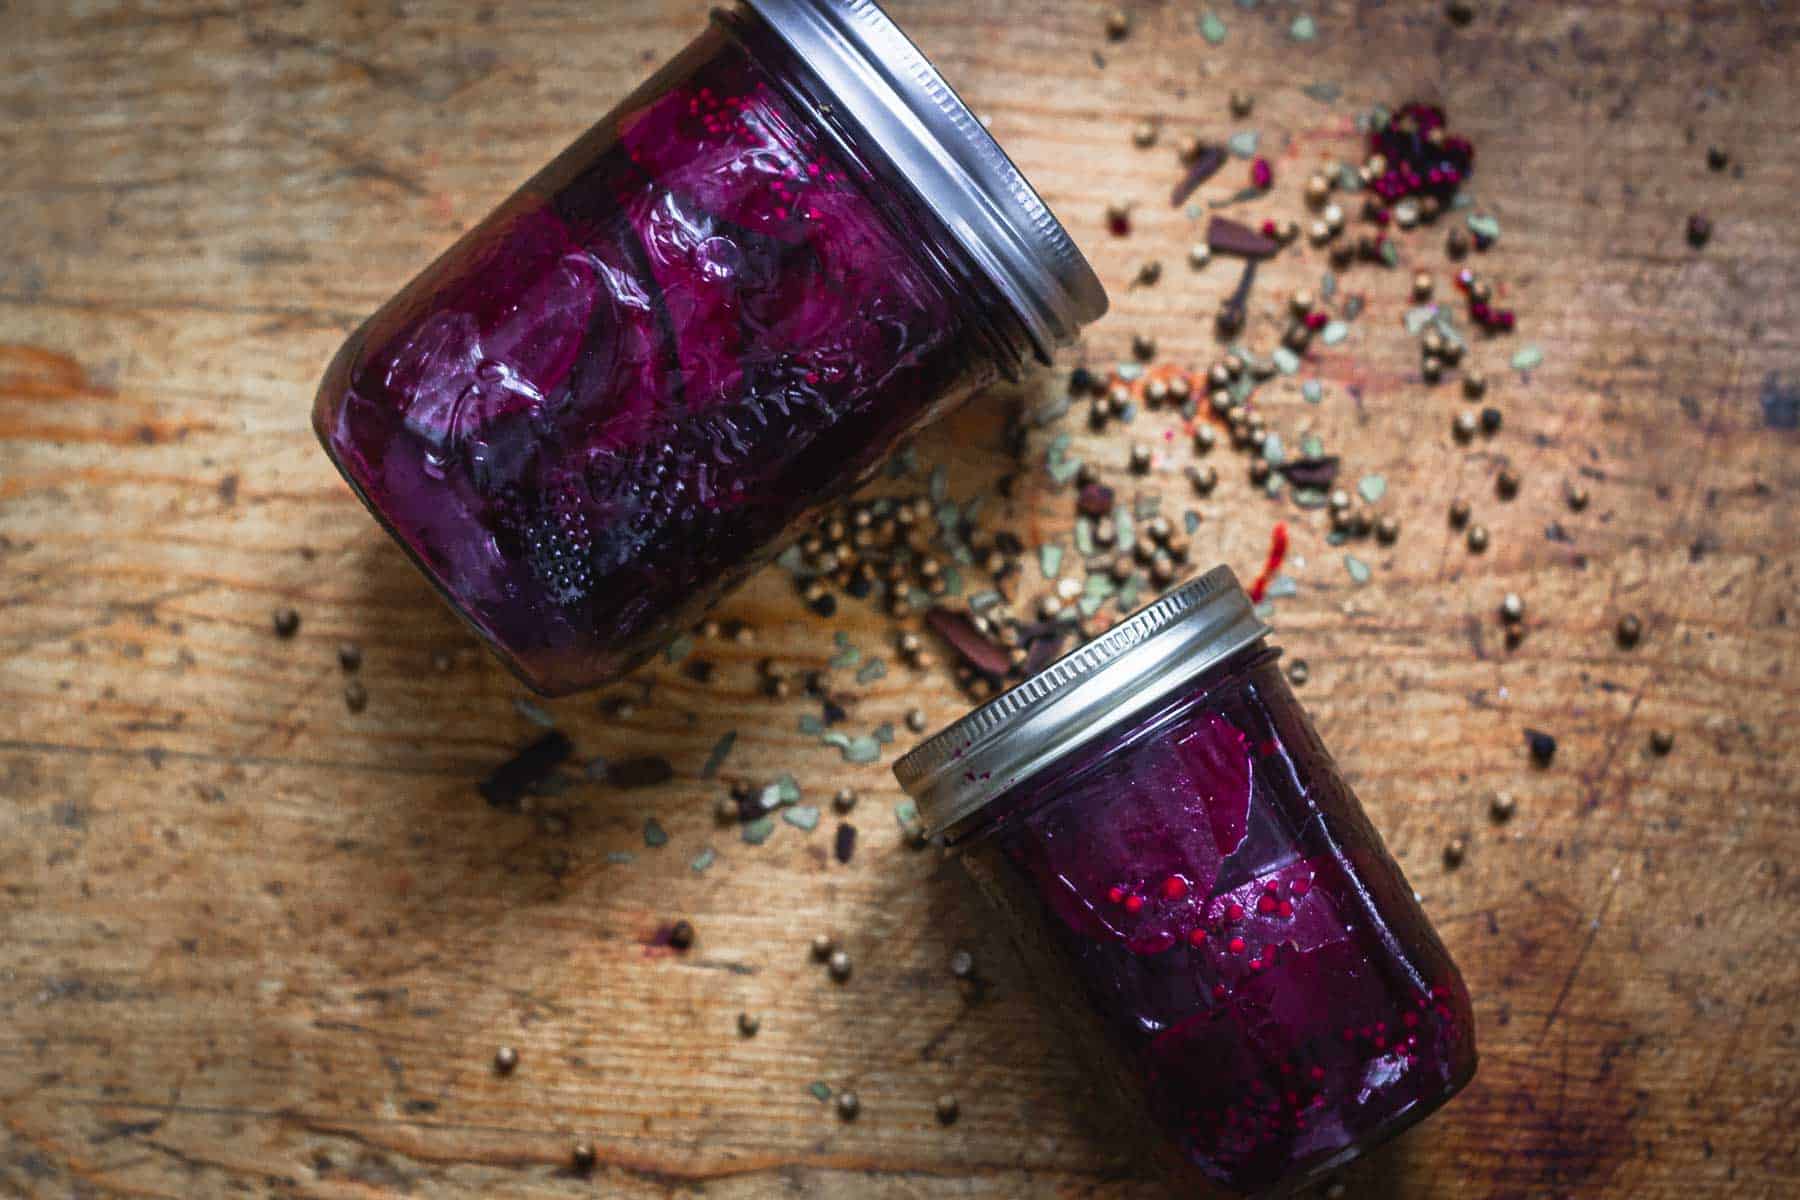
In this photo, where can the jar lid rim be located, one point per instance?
(1162, 647)
(892, 90)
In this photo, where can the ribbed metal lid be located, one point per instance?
(1138, 662)
(884, 83)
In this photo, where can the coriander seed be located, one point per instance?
(1204, 479)
(1199, 254)
(1387, 529)
(748, 1023)
(582, 1157)
(1477, 538)
(1118, 24)
(823, 944)
(1421, 286)
(1318, 190)
(1490, 420)
(1502, 806)
(1454, 851)
(947, 1109)
(915, 720)
(1143, 346)
(839, 965)
(356, 696)
(1506, 483)
(681, 935)
(1630, 630)
(1301, 302)
(1662, 740)
(349, 656)
(1149, 271)
(848, 1106)
(1577, 496)
(1298, 672)
(1512, 608)
(1143, 135)
(725, 810)
(506, 1060)
(286, 622)
(1463, 425)
(1205, 439)
(1242, 103)
(1456, 243)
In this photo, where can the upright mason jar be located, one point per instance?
(1192, 885)
(717, 311)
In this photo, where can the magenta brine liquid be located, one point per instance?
(1203, 895)
(625, 389)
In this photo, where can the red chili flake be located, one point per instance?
(1270, 229)
(1278, 544)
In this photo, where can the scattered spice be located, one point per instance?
(1541, 745)
(1298, 672)
(1477, 538)
(748, 1023)
(822, 946)
(1699, 230)
(287, 622)
(845, 800)
(1203, 165)
(349, 656)
(1225, 236)
(1506, 483)
(506, 1060)
(948, 1109)
(838, 964)
(582, 1157)
(1512, 608)
(1630, 630)
(524, 771)
(844, 845)
(1118, 24)
(646, 770)
(654, 834)
(356, 696)
(848, 1106)
(1502, 806)
(681, 935)
(1278, 544)
(1662, 740)
(1454, 851)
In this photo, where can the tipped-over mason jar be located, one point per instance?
(1196, 890)
(719, 310)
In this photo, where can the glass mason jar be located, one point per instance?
(1194, 887)
(720, 309)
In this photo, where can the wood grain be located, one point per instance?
(252, 943)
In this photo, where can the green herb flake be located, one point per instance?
(1281, 587)
(884, 733)
(1058, 447)
(1272, 485)
(1190, 520)
(703, 860)
(1243, 143)
(1130, 372)
(679, 649)
(1484, 227)
(953, 582)
(1148, 505)
(872, 670)
(1349, 179)
(1313, 391)
(1359, 570)
(1353, 307)
(1418, 317)
(919, 598)
(1123, 524)
(863, 749)
(1212, 28)
(1312, 446)
(906, 815)
(1050, 558)
(716, 758)
(1127, 599)
(1272, 449)
(1390, 254)
(1324, 93)
(811, 725)
(1264, 611)
(819, 1091)
(1304, 29)
(1334, 332)
(792, 560)
(1286, 361)
(802, 816)
(1051, 410)
(847, 656)
(1310, 497)
(1336, 537)
(940, 484)
(1527, 358)
(654, 834)
(1099, 585)
(1327, 285)
(980, 602)
(1089, 605)
(757, 832)
(949, 516)
(1372, 488)
(619, 858)
(1064, 470)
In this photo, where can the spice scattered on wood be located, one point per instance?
(1477, 538)
(506, 1060)
(848, 1106)
(1541, 745)
(1454, 852)
(524, 771)
(838, 964)
(646, 770)
(844, 844)
(583, 1157)
(356, 696)
(748, 1023)
(286, 621)
(349, 656)
(1662, 740)
(1502, 806)
(1699, 230)
(681, 935)
(1203, 164)
(1278, 545)
(948, 1109)
(1225, 236)
(1630, 630)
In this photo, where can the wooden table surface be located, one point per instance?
(253, 943)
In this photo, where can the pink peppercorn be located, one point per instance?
(1315, 320)
(1262, 175)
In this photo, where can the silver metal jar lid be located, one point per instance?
(1138, 662)
(884, 83)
